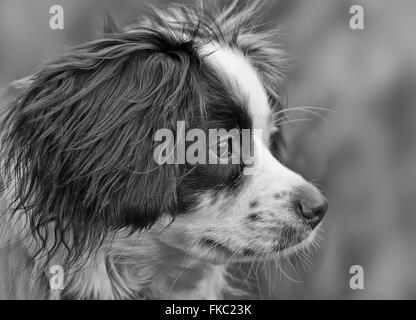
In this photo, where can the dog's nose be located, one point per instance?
(311, 205)
(313, 216)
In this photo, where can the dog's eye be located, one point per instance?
(226, 148)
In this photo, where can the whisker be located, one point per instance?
(291, 121)
(312, 108)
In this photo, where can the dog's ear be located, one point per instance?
(79, 141)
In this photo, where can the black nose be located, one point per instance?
(312, 212)
(314, 216)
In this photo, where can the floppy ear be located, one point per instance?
(78, 142)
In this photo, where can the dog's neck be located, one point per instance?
(150, 270)
(129, 267)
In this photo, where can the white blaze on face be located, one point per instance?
(246, 83)
(238, 72)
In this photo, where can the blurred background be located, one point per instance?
(358, 144)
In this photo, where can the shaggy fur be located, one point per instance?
(82, 189)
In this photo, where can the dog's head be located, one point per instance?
(79, 141)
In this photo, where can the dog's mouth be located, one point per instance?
(219, 252)
(214, 245)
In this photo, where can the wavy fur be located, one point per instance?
(77, 141)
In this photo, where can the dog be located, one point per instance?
(82, 191)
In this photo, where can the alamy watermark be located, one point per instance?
(56, 21)
(357, 18)
(357, 278)
(196, 146)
